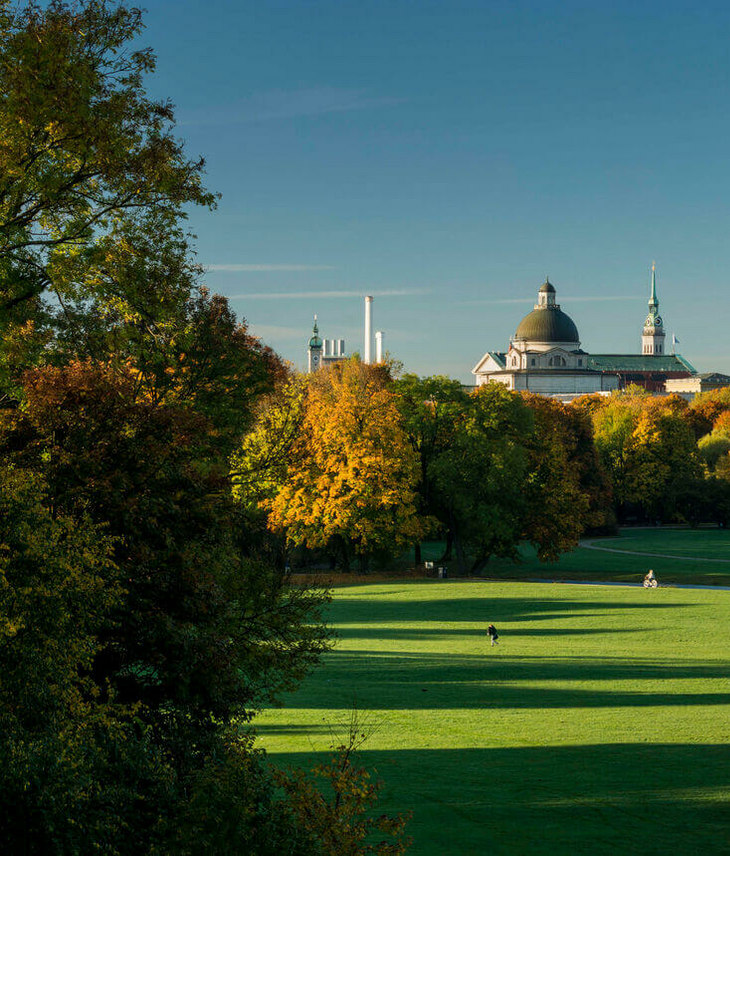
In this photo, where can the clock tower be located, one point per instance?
(315, 349)
(652, 339)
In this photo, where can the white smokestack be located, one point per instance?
(379, 347)
(368, 326)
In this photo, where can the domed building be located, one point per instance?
(545, 355)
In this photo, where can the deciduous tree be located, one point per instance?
(431, 409)
(353, 473)
(565, 486)
(93, 182)
(647, 445)
(480, 477)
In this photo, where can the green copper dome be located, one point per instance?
(547, 325)
(547, 287)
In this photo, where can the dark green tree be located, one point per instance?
(480, 477)
(431, 409)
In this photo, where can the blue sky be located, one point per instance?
(446, 157)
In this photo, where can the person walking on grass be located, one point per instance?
(493, 634)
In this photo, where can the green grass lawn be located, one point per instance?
(599, 725)
(712, 546)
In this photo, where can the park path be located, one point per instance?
(588, 544)
(636, 586)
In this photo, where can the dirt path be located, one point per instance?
(587, 544)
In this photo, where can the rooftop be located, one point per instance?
(637, 362)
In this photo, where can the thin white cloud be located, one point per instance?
(279, 332)
(279, 104)
(337, 294)
(302, 333)
(564, 298)
(268, 267)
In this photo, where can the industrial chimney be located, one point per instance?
(379, 347)
(368, 326)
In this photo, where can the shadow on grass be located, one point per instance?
(412, 610)
(574, 799)
(413, 633)
(417, 667)
(481, 696)
(410, 681)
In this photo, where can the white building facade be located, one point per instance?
(545, 355)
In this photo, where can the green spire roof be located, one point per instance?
(653, 300)
(315, 341)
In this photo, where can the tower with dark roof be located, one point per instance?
(545, 356)
(652, 337)
(315, 349)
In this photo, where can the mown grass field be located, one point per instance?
(599, 725)
(711, 546)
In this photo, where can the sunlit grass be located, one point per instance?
(599, 724)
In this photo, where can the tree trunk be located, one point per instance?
(479, 563)
(460, 559)
(345, 555)
(449, 546)
(417, 553)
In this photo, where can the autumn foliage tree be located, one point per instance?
(705, 409)
(352, 474)
(140, 624)
(647, 446)
(566, 488)
(260, 465)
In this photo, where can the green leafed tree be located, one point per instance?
(431, 409)
(480, 478)
(94, 185)
(140, 627)
(647, 446)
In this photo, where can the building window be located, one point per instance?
(532, 361)
(580, 362)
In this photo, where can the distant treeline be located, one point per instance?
(358, 462)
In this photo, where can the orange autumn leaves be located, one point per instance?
(352, 472)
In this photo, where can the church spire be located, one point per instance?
(652, 340)
(315, 349)
(653, 300)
